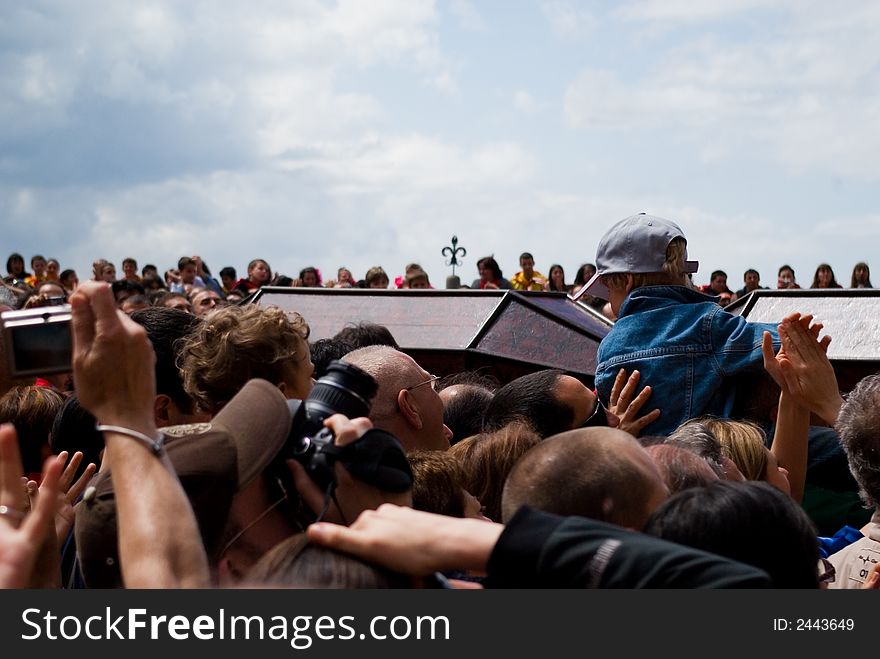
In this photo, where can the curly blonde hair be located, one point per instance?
(236, 344)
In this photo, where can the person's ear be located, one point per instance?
(161, 410)
(408, 407)
(228, 574)
(629, 283)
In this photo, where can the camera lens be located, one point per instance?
(344, 389)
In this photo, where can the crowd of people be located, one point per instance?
(197, 441)
(178, 286)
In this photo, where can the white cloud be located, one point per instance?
(771, 96)
(686, 11)
(525, 102)
(567, 19)
(340, 132)
(418, 164)
(467, 15)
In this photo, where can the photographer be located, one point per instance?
(246, 494)
(47, 294)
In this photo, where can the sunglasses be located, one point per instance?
(598, 417)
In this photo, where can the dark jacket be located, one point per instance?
(540, 550)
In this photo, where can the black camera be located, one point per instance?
(377, 458)
(38, 341)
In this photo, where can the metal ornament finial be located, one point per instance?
(454, 252)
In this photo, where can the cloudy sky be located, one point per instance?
(368, 132)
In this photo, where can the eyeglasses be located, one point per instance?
(827, 573)
(431, 380)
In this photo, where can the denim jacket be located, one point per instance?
(685, 346)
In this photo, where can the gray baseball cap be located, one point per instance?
(636, 244)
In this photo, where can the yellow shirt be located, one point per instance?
(520, 283)
(33, 281)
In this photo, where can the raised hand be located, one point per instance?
(23, 535)
(624, 408)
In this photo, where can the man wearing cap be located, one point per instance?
(684, 344)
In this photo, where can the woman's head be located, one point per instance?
(486, 460)
(557, 278)
(294, 563)
(310, 277)
(584, 274)
(861, 276)
(53, 269)
(746, 445)
(438, 486)
(824, 277)
(259, 272)
(785, 278)
(489, 269)
(15, 264)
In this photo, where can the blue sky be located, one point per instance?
(368, 132)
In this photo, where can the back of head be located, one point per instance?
(750, 522)
(464, 406)
(696, 437)
(325, 351)
(651, 249)
(530, 399)
(680, 468)
(294, 563)
(167, 330)
(73, 429)
(236, 344)
(390, 368)
(600, 473)
(366, 334)
(31, 409)
(437, 483)
(487, 459)
(744, 443)
(858, 426)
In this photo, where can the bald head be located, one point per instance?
(680, 468)
(406, 403)
(392, 369)
(600, 473)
